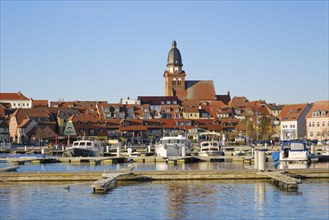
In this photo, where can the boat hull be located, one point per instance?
(171, 150)
(80, 152)
(210, 153)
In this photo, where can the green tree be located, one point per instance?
(265, 127)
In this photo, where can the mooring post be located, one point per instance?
(129, 151)
(184, 151)
(119, 150)
(261, 160)
(256, 159)
(312, 149)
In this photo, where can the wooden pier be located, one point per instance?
(283, 181)
(108, 181)
(23, 160)
(9, 169)
(180, 160)
(155, 175)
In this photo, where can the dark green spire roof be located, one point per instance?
(174, 57)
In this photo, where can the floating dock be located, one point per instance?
(155, 175)
(108, 181)
(283, 181)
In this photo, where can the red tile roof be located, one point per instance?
(200, 90)
(292, 112)
(319, 106)
(239, 102)
(13, 96)
(40, 103)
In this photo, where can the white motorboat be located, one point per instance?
(210, 144)
(294, 151)
(173, 146)
(85, 148)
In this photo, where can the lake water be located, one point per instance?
(67, 167)
(165, 200)
(162, 199)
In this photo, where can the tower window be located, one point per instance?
(179, 82)
(174, 82)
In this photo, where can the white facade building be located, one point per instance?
(16, 100)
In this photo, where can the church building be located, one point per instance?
(177, 85)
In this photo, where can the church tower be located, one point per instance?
(174, 75)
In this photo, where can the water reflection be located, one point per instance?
(181, 195)
(259, 197)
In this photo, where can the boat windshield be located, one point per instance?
(297, 146)
(172, 141)
(76, 144)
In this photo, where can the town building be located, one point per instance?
(317, 121)
(16, 100)
(23, 122)
(177, 85)
(293, 121)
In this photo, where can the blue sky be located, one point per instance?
(106, 50)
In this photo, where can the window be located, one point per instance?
(174, 82)
(168, 102)
(323, 123)
(179, 82)
(318, 124)
(290, 110)
(313, 124)
(174, 102)
(311, 134)
(309, 124)
(298, 110)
